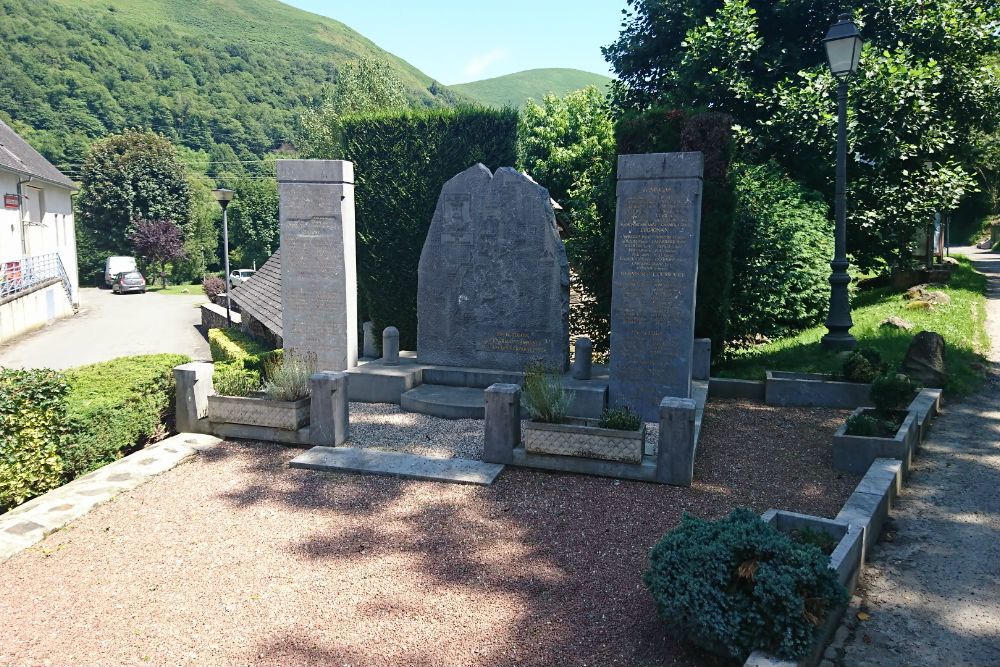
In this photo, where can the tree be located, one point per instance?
(128, 177)
(923, 93)
(254, 226)
(158, 241)
(567, 144)
(361, 86)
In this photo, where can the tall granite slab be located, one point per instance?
(654, 279)
(493, 280)
(318, 266)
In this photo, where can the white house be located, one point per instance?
(38, 268)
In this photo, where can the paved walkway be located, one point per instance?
(931, 590)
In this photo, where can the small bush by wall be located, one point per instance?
(32, 428)
(232, 344)
(112, 406)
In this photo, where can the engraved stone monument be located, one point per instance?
(318, 275)
(654, 279)
(493, 280)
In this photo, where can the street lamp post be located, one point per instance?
(202, 263)
(224, 196)
(843, 51)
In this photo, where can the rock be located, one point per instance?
(920, 294)
(949, 260)
(924, 362)
(896, 322)
(918, 304)
(936, 297)
(984, 245)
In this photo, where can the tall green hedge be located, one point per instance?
(401, 160)
(113, 405)
(661, 130)
(781, 254)
(32, 429)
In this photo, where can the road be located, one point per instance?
(113, 325)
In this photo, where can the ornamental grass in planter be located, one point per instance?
(281, 400)
(739, 584)
(618, 436)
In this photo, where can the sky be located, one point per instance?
(457, 41)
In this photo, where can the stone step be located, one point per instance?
(444, 401)
(397, 464)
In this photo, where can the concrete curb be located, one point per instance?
(28, 524)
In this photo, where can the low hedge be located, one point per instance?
(112, 406)
(231, 344)
(32, 429)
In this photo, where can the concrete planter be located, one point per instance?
(582, 438)
(927, 404)
(289, 416)
(813, 389)
(855, 453)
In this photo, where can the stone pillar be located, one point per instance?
(328, 409)
(657, 227)
(390, 346)
(194, 386)
(369, 350)
(503, 422)
(675, 457)
(701, 362)
(319, 291)
(583, 358)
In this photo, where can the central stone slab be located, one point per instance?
(493, 280)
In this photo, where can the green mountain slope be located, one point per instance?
(231, 77)
(515, 89)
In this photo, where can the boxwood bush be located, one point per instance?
(739, 584)
(113, 406)
(32, 428)
(231, 344)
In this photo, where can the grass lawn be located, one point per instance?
(176, 289)
(962, 323)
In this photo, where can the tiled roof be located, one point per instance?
(260, 295)
(17, 155)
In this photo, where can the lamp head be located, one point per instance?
(843, 44)
(222, 196)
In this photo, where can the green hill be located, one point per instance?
(515, 89)
(231, 77)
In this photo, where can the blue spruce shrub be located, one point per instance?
(738, 584)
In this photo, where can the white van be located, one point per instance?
(116, 265)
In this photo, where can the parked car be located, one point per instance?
(240, 276)
(116, 265)
(128, 281)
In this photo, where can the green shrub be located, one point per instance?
(403, 160)
(739, 584)
(622, 419)
(32, 428)
(864, 365)
(234, 380)
(231, 344)
(782, 246)
(862, 424)
(288, 377)
(113, 405)
(544, 394)
(893, 392)
(260, 362)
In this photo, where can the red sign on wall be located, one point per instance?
(10, 201)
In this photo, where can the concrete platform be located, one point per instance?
(445, 401)
(396, 464)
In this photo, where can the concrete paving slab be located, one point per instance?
(397, 464)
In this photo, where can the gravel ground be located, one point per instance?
(235, 559)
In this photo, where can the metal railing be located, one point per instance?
(28, 272)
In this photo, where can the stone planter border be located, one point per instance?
(814, 390)
(287, 415)
(583, 438)
(855, 453)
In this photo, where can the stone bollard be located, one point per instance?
(368, 348)
(328, 410)
(390, 346)
(675, 458)
(583, 358)
(503, 422)
(701, 359)
(194, 385)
